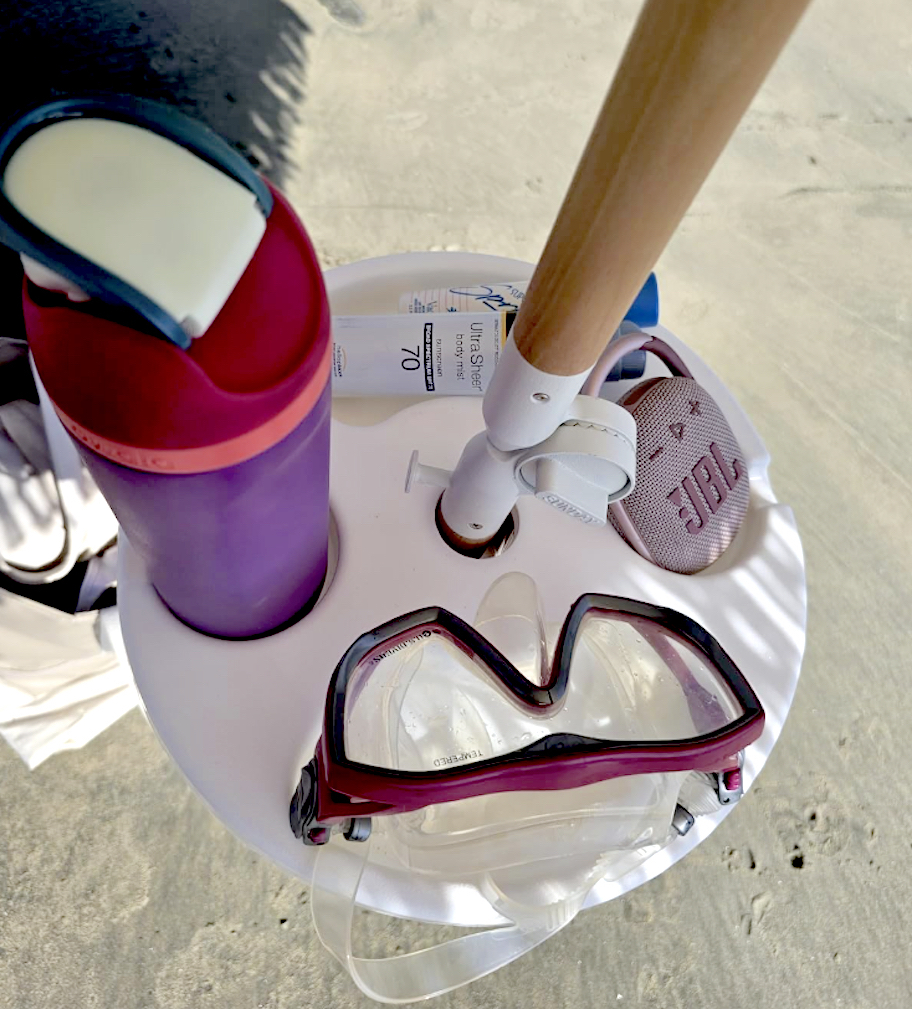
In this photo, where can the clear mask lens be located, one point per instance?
(425, 702)
(631, 679)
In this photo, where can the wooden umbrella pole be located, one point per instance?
(688, 74)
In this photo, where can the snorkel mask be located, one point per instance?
(467, 754)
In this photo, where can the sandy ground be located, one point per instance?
(457, 124)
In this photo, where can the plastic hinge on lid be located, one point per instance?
(135, 205)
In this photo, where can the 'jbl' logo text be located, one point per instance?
(715, 478)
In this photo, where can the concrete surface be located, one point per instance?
(419, 125)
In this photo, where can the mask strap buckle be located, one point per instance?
(730, 783)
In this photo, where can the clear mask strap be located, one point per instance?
(410, 977)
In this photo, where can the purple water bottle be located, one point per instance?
(215, 456)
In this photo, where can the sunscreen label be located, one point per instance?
(499, 297)
(440, 353)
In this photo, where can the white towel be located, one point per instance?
(64, 678)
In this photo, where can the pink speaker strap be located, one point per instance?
(634, 341)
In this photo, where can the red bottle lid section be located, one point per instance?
(240, 388)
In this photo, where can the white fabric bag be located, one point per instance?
(51, 512)
(64, 678)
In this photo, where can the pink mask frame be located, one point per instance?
(335, 791)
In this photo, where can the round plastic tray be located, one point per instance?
(241, 718)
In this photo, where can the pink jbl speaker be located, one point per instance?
(692, 486)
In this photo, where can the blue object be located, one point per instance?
(631, 365)
(645, 309)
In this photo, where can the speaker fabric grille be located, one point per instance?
(692, 487)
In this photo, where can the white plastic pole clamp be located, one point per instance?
(523, 405)
(587, 463)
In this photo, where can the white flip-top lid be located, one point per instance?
(142, 207)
